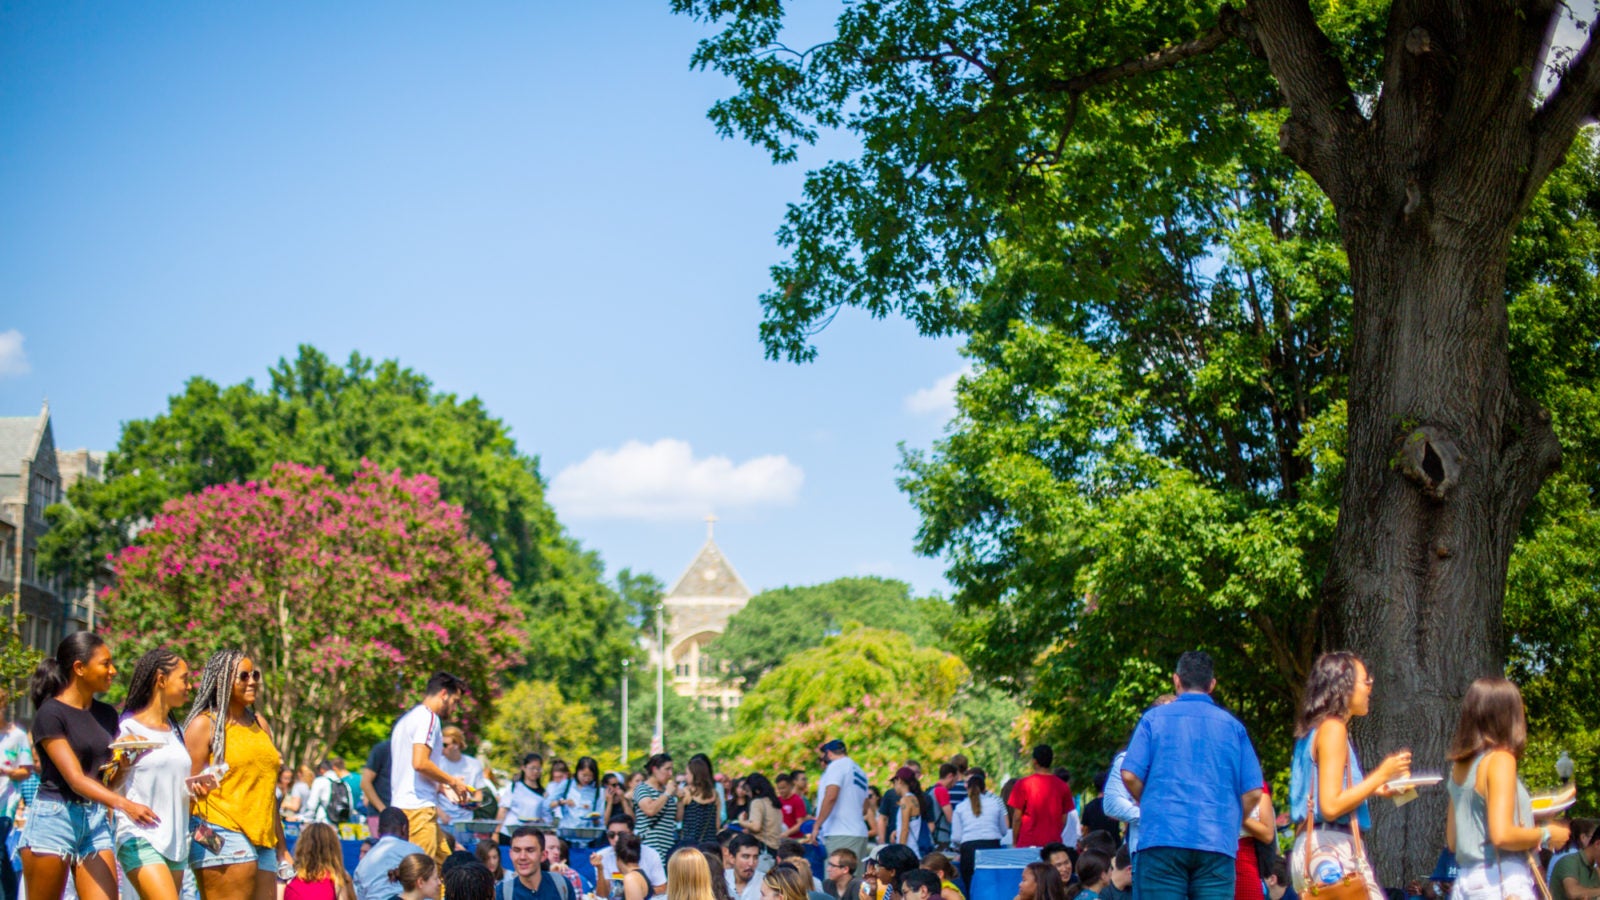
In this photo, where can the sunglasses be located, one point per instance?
(253, 675)
(613, 835)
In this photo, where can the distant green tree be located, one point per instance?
(17, 662)
(786, 620)
(886, 697)
(315, 412)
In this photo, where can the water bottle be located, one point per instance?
(1326, 870)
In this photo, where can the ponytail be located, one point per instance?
(975, 786)
(53, 674)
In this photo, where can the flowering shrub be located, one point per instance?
(347, 597)
(886, 698)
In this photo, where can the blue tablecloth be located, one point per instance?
(997, 874)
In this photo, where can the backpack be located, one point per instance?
(340, 807)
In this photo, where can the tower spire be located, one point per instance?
(711, 527)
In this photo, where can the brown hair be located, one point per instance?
(1328, 689)
(317, 855)
(785, 879)
(413, 870)
(940, 865)
(1491, 719)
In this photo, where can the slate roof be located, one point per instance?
(710, 575)
(19, 437)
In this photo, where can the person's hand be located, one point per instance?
(1559, 834)
(139, 813)
(1397, 765)
(594, 861)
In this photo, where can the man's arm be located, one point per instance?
(1576, 891)
(1119, 804)
(422, 762)
(1133, 784)
(369, 789)
(830, 796)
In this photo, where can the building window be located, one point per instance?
(27, 566)
(44, 494)
(8, 565)
(681, 669)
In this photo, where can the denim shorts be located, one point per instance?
(236, 848)
(68, 829)
(136, 853)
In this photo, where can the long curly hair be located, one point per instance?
(216, 690)
(1328, 689)
(142, 687)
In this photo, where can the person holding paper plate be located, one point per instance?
(1327, 791)
(155, 855)
(1491, 826)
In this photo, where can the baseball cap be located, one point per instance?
(833, 746)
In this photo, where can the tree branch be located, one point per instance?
(1324, 120)
(1575, 101)
(1229, 25)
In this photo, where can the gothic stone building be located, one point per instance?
(698, 608)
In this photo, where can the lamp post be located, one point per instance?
(625, 664)
(658, 743)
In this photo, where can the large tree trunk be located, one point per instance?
(1444, 456)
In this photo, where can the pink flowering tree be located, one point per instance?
(346, 596)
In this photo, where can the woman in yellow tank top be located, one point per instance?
(244, 859)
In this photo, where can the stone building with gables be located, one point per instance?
(698, 607)
(34, 475)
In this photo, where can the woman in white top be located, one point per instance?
(977, 823)
(520, 804)
(579, 801)
(156, 855)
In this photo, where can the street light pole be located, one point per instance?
(625, 715)
(659, 745)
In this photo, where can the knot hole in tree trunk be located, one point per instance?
(1431, 459)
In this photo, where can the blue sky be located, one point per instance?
(523, 201)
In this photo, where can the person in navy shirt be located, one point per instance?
(1194, 773)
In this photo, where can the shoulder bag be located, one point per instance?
(1353, 886)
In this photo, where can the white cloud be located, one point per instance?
(13, 360)
(665, 481)
(939, 399)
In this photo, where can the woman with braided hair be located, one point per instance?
(155, 855)
(238, 851)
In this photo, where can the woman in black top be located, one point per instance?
(68, 832)
(700, 812)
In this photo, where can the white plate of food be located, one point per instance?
(135, 744)
(1554, 802)
(1414, 781)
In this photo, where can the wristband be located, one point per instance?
(1544, 838)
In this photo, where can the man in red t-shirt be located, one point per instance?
(792, 804)
(1039, 803)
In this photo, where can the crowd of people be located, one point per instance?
(1182, 811)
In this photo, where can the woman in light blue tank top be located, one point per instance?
(1325, 778)
(1491, 826)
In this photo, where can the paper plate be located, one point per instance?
(135, 744)
(1415, 781)
(1549, 805)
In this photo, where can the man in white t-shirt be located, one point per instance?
(841, 795)
(605, 861)
(16, 763)
(416, 783)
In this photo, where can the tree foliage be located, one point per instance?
(779, 622)
(17, 662)
(533, 716)
(347, 597)
(886, 697)
(315, 412)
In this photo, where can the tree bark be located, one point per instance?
(1443, 458)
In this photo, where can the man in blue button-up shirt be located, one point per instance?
(1194, 773)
